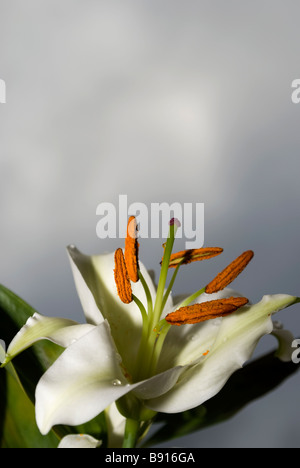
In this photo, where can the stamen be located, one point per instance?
(226, 276)
(121, 278)
(205, 311)
(131, 250)
(193, 255)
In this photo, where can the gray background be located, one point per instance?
(161, 100)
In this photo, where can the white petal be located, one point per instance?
(234, 345)
(2, 351)
(115, 426)
(285, 339)
(187, 344)
(38, 327)
(81, 383)
(87, 378)
(84, 277)
(79, 441)
(158, 384)
(94, 279)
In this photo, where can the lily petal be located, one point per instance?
(95, 283)
(115, 426)
(85, 282)
(158, 384)
(285, 339)
(79, 441)
(2, 351)
(187, 344)
(38, 327)
(87, 378)
(81, 383)
(235, 342)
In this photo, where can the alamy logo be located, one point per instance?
(296, 354)
(153, 221)
(2, 92)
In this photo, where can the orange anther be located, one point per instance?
(121, 278)
(193, 255)
(226, 276)
(131, 250)
(205, 311)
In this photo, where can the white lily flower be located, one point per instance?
(131, 352)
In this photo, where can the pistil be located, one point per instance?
(174, 225)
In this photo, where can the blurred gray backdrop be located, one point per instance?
(161, 100)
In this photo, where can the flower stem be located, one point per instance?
(131, 433)
(191, 298)
(147, 293)
(167, 293)
(142, 310)
(163, 275)
(161, 330)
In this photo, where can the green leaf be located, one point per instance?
(17, 427)
(29, 367)
(248, 384)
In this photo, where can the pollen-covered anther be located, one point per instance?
(205, 311)
(131, 250)
(226, 276)
(121, 278)
(193, 255)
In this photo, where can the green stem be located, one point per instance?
(191, 298)
(147, 356)
(131, 433)
(162, 329)
(163, 275)
(147, 293)
(142, 309)
(167, 293)
(144, 338)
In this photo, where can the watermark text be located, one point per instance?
(296, 93)
(2, 92)
(153, 220)
(296, 354)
